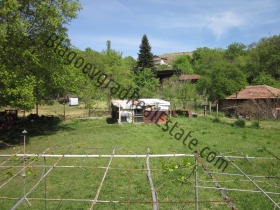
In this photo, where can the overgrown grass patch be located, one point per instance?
(126, 180)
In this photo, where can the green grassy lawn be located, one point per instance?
(126, 181)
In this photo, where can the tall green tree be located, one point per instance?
(269, 55)
(234, 51)
(129, 62)
(144, 76)
(117, 68)
(113, 71)
(34, 67)
(146, 83)
(264, 59)
(220, 77)
(170, 88)
(223, 80)
(145, 56)
(266, 79)
(174, 90)
(204, 58)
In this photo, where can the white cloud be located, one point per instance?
(221, 23)
(217, 22)
(220, 16)
(177, 25)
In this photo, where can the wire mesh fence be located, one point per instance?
(110, 180)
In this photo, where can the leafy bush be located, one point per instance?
(216, 120)
(239, 123)
(255, 125)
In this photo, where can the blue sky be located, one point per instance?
(173, 25)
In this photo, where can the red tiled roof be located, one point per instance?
(257, 91)
(189, 76)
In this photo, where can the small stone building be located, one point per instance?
(259, 100)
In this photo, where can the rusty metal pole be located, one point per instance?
(217, 109)
(64, 110)
(196, 186)
(109, 95)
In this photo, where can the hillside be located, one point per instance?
(171, 56)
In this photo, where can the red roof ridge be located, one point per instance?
(256, 91)
(272, 89)
(189, 76)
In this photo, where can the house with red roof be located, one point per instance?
(259, 100)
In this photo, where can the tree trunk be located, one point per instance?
(184, 104)
(37, 108)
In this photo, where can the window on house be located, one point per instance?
(138, 115)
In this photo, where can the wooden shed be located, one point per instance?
(150, 110)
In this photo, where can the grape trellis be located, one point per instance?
(132, 181)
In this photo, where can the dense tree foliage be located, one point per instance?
(183, 62)
(111, 63)
(170, 88)
(30, 72)
(225, 72)
(235, 51)
(221, 76)
(265, 79)
(263, 62)
(204, 58)
(268, 56)
(174, 90)
(221, 81)
(146, 83)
